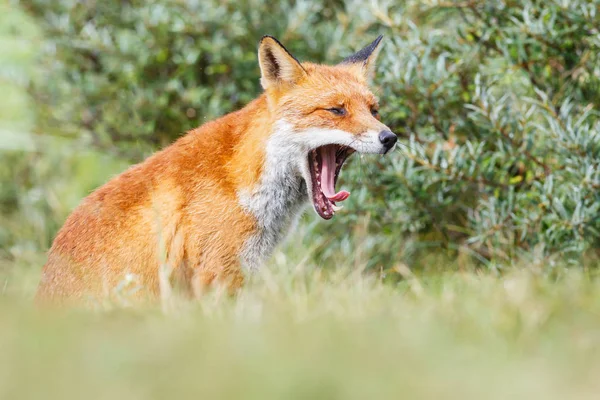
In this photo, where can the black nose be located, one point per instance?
(388, 139)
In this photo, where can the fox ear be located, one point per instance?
(277, 65)
(363, 61)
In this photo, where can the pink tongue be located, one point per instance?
(328, 175)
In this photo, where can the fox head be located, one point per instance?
(322, 114)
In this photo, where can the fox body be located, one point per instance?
(214, 204)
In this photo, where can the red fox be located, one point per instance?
(215, 203)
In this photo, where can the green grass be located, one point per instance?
(304, 333)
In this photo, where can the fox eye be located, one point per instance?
(375, 112)
(340, 111)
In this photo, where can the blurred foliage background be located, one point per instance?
(496, 104)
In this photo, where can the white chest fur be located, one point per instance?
(278, 199)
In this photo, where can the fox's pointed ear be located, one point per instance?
(363, 61)
(277, 65)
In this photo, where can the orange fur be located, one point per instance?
(181, 207)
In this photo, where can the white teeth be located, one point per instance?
(336, 208)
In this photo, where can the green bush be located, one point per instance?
(497, 103)
(143, 72)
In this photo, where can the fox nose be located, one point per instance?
(388, 139)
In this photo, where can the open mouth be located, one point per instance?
(325, 163)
